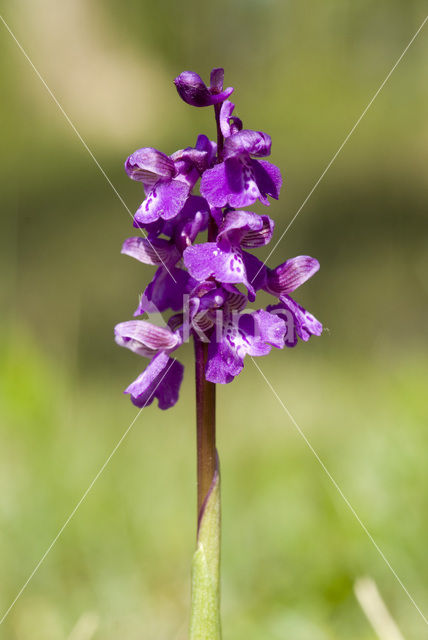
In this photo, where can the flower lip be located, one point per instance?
(161, 379)
(240, 180)
(253, 333)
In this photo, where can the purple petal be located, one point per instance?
(299, 322)
(229, 125)
(192, 218)
(208, 260)
(217, 79)
(225, 114)
(165, 200)
(246, 228)
(291, 274)
(148, 165)
(306, 324)
(235, 300)
(175, 321)
(268, 178)
(145, 338)
(216, 98)
(271, 328)
(248, 142)
(231, 182)
(223, 363)
(165, 293)
(191, 162)
(256, 271)
(190, 230)
(156, 251)
(259, 238)
(214, 185)
(249, 333)
(203, 143)
(161, 379)
(199, 157)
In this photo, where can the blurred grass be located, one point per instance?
(303, 72)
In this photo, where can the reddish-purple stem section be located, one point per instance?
(205, 424)
(206, 391)
(207, 464)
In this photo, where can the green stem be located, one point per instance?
(205, 613)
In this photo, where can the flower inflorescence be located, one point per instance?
(199, 282)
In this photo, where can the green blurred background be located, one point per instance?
(303, 71)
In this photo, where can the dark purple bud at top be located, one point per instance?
(193, 90)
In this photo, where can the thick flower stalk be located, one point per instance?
(206, 277)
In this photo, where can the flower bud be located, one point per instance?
(193, 90)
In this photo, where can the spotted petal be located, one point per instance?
(238, 182)
(250, 333)
(165, 200)
(299, 322)
(208, 260)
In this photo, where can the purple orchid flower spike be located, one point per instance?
(206, 275)
(233, 175)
